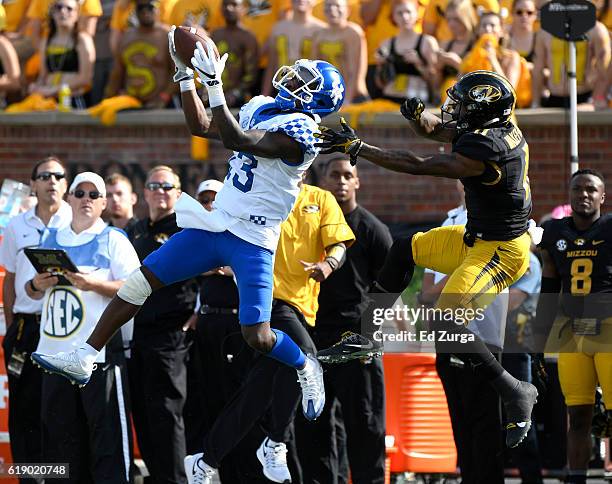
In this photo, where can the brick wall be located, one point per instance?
(141, 140)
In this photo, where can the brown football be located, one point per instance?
(185, 39)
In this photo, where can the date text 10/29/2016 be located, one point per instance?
(36, 471)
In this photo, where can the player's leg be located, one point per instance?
(253, 267)
(441, 249)
(186, 254)
(485, 271)
(578, 379)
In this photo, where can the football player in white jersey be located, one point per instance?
(273, 144)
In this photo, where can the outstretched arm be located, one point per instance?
(257, 142)
(405, 161)
(424, 123)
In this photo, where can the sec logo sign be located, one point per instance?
(64, 311)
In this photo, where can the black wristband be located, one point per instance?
(33, 287)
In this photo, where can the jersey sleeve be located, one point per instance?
(302, 130)
(476, 147)
(334, 228)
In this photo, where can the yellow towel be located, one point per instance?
(370, 109)
(107, 110)
(34, 102)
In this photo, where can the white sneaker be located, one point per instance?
(313, 388)
(198, 471)
(273, 458)
(68, 365)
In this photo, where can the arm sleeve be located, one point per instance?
(334, 228)
(476, 147)
(8, 250)
(124, 259)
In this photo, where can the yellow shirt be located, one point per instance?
(261, 17)
(124, 14)
(15, 11)
(435, 14)
(316, 222)
(202, 13)
(39, 9)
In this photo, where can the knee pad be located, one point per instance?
(397, 271)
(136, 289)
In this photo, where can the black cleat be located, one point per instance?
(518, 413)
(352, 346)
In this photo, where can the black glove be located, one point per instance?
(412, 109)
(345, 141)
(538, 373)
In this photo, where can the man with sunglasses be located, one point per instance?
(22, 313)
(158, 363)
(85, 427)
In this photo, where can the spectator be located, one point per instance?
(201, 13)
(357, 386)
(143, 66)
(157, 367)
(342, 43)
(120, 202)
(378, 24)
(104, 56)
(434, 22)
(489, 53)
(592, 57)
(406, 62)
(88, 427)
(22, 313)
(522, 36)
(241, 75)
(291, 39)
(10, 72)
(67, 55)
(124, 17)
(40, 14)
(462, 22)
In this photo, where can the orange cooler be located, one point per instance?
(419, 429)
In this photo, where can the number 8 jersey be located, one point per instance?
(262, 191)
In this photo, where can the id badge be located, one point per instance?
(16, 362)
(586, 326)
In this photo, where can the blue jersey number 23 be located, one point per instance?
(247, 167)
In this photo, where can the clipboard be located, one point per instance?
(54, 261)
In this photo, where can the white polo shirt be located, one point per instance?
(70, 314)
(23, 231)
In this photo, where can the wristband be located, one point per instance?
(216, 97)
(187, 85)
(33, 287)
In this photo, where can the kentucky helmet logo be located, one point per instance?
(485, 93)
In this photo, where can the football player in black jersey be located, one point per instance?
(577, 262)
(491, 158)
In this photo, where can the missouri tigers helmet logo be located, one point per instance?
(485, 93)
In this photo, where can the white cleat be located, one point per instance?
(198, 471)
(313, 388)
(273, 458)
(68, 365)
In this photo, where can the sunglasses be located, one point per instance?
(81, 193)
(59, 7)
(46, 175)
(165, 186)
(525, 12)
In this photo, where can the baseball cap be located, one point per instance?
(91, 177)
(212, 185)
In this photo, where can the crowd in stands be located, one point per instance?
(112, 54)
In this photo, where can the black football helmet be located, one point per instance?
(479, 99)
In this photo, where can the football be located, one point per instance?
(185, 39)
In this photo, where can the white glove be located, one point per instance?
(182, 73)
(210, 70)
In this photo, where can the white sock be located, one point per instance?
(87, 354)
